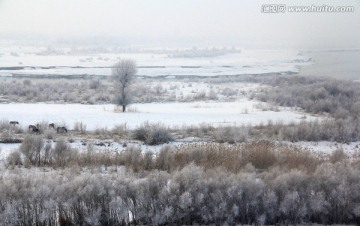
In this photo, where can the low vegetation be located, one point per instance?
(101, 91)
(231, 175)
(338, 100)
(253, 183)
(152, 134)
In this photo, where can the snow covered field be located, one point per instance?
(240, 112)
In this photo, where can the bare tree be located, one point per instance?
(124, 74)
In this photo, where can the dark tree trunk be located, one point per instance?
(124, 107)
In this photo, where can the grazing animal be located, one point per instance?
(52, 125)
(33, 129)
(14, 123)
(61, 129)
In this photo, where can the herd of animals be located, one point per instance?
(36, 129)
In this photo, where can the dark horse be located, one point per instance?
(14, 123)
(61, 129)
(34, 129)
(52, 125)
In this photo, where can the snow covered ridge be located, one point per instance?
(19, 63)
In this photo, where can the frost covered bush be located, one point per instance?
(159, 134)
(190, 195)
(32, 149)
(4, 125)
(62, 153)
(152, 134)
(339, 98)
(338, 155)
(164, 159)
(229, 92)
(141, 132)
(94, 84)
(212, 94)
(258, 182)
(80, 127)
(132, 158)
(231, 134)
(340, 130)
(37, 152)
(201, 131)
(121, 130)
(261, 154)
(49, 134)
(14, 159)
(55, 90)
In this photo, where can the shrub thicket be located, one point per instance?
(190, 195)
(339, 99)
(153, 134)
(257, 182)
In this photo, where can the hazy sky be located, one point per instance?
(218, 22)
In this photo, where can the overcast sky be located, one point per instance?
(197, 22)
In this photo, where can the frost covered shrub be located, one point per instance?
(142, 131)
(38, 153)
(55, 90)
(158, 135)
(165, 158)
(337, 98)
(152, 134)
(49, 134)
(340, 130)
(132, 158)
(94, 159)
(261, 154)
(190, 195)
(32, 149)
(102, 132)
(94, 84)
(196, 183)
(315, 94)
(201, 131)
(198, 96)
(228, 92)
(6, 137)
(231, 134)
(338, 185)
(212, 94)
(4, 125)
(121, 130)
(14, 159)
(80, 127)
(338, 155)
(62, 153)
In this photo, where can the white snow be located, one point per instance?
(246, 62)
(6, 149)
(240, 112)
